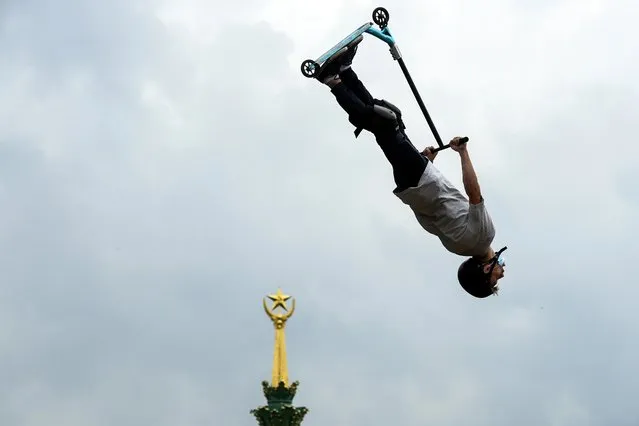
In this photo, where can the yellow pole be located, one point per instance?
(280, 368)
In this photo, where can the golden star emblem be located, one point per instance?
(279, 299)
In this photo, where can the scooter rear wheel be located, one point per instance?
(309, 68)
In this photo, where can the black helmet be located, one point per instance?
(474, 280)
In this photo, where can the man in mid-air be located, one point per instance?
(462, 224)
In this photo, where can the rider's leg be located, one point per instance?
(360, 111)
(351, 94)
(349, 77)
(408, 164)
(352, 81)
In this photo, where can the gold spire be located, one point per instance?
(280, 370)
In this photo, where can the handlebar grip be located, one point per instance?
(461, 140)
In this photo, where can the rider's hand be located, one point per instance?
(456, 146)
(430, 153)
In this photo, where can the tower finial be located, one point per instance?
(279, 394)
(280, 368)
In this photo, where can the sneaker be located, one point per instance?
(331, 68)
(339, 62)
(346, 60)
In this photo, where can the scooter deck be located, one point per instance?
(345, 41)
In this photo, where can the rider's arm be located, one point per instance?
(471, 185)
(430, 153)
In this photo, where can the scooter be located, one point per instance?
(381, 16)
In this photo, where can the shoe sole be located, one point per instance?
(337, 55)
(355, 42)
(330, 61)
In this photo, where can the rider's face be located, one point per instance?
(498, 270)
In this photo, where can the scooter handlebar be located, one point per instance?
(441, 148)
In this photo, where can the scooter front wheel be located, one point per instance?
(380, 17)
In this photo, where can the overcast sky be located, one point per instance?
(164, 165)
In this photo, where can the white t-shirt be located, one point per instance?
(441, 209)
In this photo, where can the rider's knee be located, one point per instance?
(390, 106)
(380, 116)
(385, 113)
(388, 114)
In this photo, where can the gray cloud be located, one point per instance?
(155, 186)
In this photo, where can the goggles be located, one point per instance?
(497, 259)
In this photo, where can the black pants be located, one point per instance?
(407, 162)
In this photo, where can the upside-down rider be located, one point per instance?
(462, 224)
